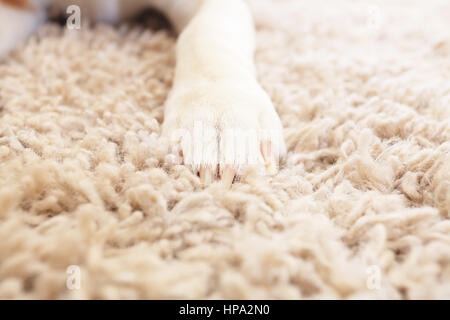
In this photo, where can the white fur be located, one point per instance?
(215, 88)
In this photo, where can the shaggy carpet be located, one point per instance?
(91, 205)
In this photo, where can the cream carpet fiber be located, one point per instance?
(359, 210)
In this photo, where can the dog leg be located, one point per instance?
(217, 114)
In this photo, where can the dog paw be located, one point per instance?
(222, 128)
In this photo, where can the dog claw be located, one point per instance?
(270, 161)
(206, 175)
(228, 175)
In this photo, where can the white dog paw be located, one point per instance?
(220, 129)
